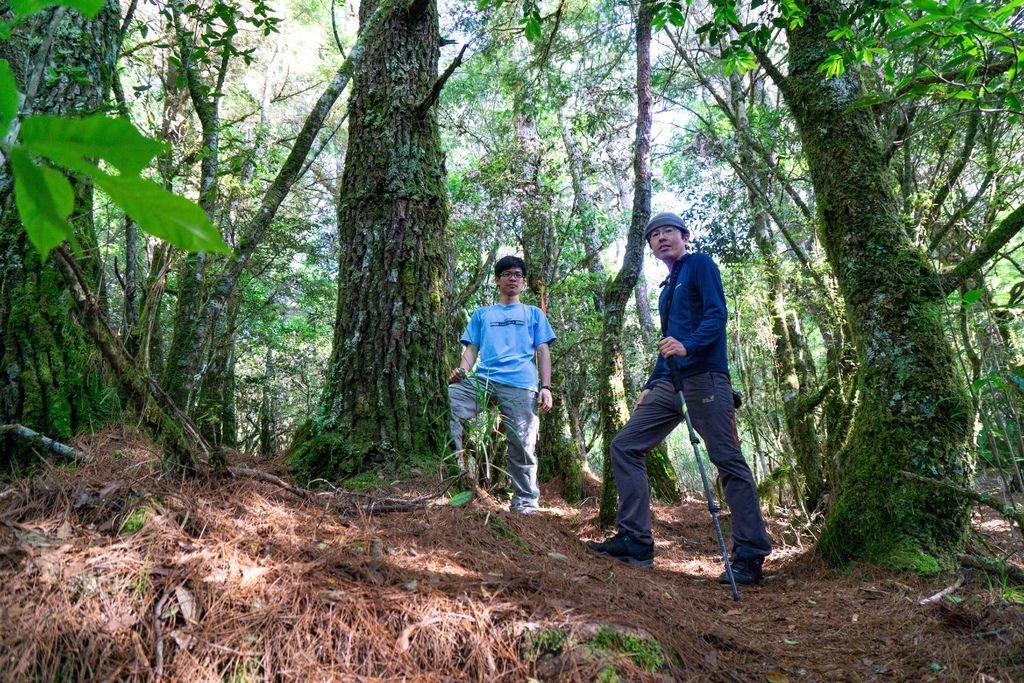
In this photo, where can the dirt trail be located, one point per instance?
(108, 573)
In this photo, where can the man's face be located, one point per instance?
(668, 243)
(511, 281)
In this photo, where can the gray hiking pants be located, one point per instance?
(709, 400)
(520, 422)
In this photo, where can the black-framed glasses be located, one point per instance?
(512, 275)
(658, 232)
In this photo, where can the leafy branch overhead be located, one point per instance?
(972, 46)
(43, 148)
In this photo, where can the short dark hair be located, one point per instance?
(506, 262)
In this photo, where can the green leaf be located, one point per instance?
(45, 200)
(9, 99)
(24, 8)
(980, 383)
(461, 498)
(833, 66)
(66, 141)
(787, 641)
(532, 26)
(973, 296)
(163, 214)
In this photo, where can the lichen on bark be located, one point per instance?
(384, 398)
(913, 413)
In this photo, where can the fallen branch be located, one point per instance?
(1010, 512)
(343, 501)
(158, 659)
(996, 567)
(35, 438)
(944, 592)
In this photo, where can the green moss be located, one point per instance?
(136, 520)
(909, 558)
(363, 482)
(608, 674)
(499, 528)
(645, 652)
(328, 455)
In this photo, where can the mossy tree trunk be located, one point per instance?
(913, 413)
(612, 396)
(50, 375)
(192, 334)
(215, 409)
(384, 396)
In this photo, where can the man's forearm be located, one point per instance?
(544, 365)
(468, 358)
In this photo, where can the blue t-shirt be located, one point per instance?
(506, 338)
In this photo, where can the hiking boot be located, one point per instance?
(745, 572)
(622, 547)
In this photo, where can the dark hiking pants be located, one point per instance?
(709, 400)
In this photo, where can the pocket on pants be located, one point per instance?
(701, 389)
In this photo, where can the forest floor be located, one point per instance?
(108, 572)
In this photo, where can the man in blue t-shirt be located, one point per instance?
(693, 317)
(508, 343)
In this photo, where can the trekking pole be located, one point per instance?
(713, 506)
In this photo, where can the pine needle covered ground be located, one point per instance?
(108, 572)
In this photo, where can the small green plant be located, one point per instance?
(608, 674)
(545, 641)
(245, 671)
(1013, 594)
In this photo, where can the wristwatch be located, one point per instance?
(545, 386)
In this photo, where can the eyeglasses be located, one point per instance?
(661, 231)
(512, 275)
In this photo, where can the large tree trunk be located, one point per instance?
(50, 377)
(612, 397)
(385, 393)
(913, 413)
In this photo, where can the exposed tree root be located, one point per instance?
(1010, 512)
(57, 448)
(349, 502)
(992, 566)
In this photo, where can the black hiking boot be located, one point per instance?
(622, 547)
(745, 572)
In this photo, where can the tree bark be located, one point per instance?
(384, 397)
(50, 377)
(612, 398)
(913, 413)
